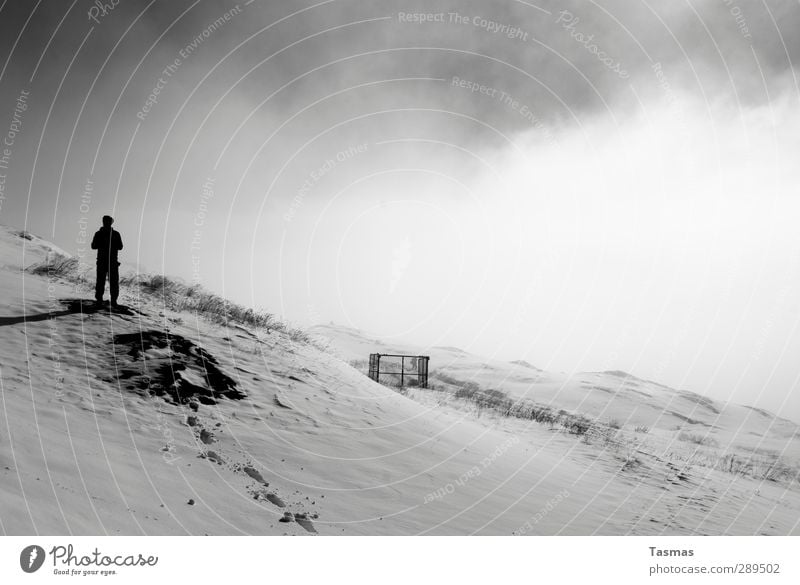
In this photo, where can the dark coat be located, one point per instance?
(107, 242)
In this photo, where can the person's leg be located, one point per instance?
(100, 286)
(113, 278)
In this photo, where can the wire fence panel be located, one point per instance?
(399, 370)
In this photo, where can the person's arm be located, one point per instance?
(94, 241)
(118, 241)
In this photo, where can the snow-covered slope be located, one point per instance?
(606, 396)
(20, 248)
(148, 421)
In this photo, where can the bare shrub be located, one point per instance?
(698, 439)
(760, 467)
(767, 467)
(56, 266)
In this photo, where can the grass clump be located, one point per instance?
(178, 296)
(772, 468)
(488, 399)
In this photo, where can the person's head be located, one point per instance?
(107, 220)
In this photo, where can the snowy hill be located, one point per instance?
(182, 414)
(611, 396)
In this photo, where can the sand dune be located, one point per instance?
(149, 420)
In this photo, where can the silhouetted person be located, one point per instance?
(107, 242)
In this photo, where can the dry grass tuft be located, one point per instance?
(178, 296)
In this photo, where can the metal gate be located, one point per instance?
(411, 368)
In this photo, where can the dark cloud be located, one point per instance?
(558, 63)
(708, 47)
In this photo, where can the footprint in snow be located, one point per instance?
(274, 499)
(207, 437)
(255, 474)
(303, 520)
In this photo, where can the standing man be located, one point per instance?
(107, 242)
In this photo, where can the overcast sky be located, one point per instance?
(585, 185)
